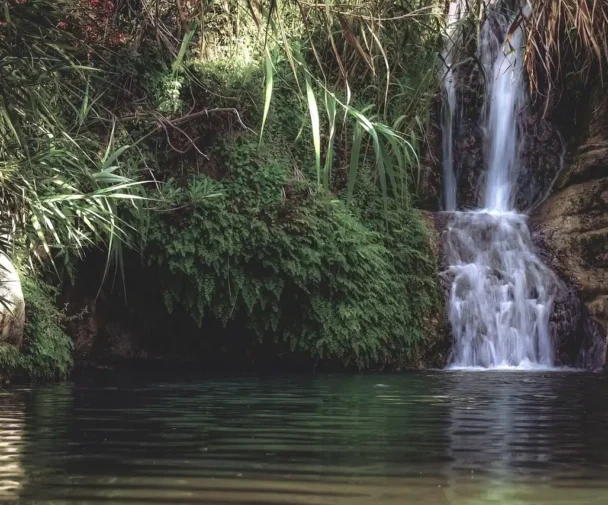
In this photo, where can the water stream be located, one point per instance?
(449, 105)
(502, 294)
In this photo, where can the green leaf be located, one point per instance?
(107, 162)
(330, 105)
(354, 160)
(269, 86)
(316, 129)
(177, 64)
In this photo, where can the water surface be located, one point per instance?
(423, 438)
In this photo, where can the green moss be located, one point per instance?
(331, 281)
(47, 351)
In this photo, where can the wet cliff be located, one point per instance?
(562, 184)
(572, 223)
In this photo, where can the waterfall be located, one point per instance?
(505, 87)
(449, 105)
(502, 294)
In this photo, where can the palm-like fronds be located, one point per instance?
(59, 180)
(360, 46)
(564, 37)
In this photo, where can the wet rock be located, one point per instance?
(577, 335)
(573, 225)
(542, 158)
(469, 163)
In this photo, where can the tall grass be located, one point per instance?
(364, 70)
(566, 38)
(62, 143)
(361, 88)
(61, 184)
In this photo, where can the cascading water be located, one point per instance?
(502, 294)
(448, 109)
(505, 87)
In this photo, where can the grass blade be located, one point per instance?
(177, 64)
(330, 105)
(269, 86)
(354, 160)
(316, 129)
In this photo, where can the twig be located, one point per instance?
(188, 117)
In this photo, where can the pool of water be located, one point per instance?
(419, 438)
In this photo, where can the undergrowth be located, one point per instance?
(350, 284)
(250, 232)
(278, 144)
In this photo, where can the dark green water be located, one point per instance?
(426, 438)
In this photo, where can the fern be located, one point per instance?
(331, 282)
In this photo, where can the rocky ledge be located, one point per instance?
(572, 225)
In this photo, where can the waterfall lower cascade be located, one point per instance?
(502, 294)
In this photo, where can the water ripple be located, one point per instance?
(436, 438)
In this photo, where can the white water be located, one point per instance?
(449, 106)
(502, 294)
(506, 88)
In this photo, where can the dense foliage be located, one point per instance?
(305, 269)
(262, 157)
(60, 184)
(308, 230)
(278, 143)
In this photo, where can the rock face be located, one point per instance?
(435, 353)
(100, 331)
(542, 152)
(12, 310)
(573, 225)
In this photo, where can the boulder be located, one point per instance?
(12, 306)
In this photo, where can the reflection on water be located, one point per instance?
(425, 438)
(11, 444)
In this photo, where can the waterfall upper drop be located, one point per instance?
(505, 87)
(449, 106)
(502, 294)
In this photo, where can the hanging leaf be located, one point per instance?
(269, 85)
(316, 129)
(330, 105)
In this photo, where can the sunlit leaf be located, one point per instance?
(268, 96)
(330, 105)
(316, 129)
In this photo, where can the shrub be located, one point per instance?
(304, 269)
